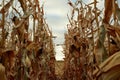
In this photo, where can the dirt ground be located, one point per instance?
(59, 68)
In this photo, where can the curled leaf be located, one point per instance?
(109, 68)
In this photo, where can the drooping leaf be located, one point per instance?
(109, 68)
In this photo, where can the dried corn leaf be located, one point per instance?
(24, 17)
(2, 72)
(108, 10)
(27, 61)
(8, 56)
(111, 31)
(113, 48)
(115, 32)
(109, 68)
(117, 9)
(31, 46)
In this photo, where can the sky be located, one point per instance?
(56, 16)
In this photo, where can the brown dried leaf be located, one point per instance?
(114, 31)
(2, 72)
(111, 31)
(88, 14)
(31, 46)
(109, 68)
(108, 10)
(27, 61)
(8, 56)
(113, 49)
(1, 24)
(117, 30)
(117, 10)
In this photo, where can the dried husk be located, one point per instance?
(109, 68)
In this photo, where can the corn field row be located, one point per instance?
(91, 47)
